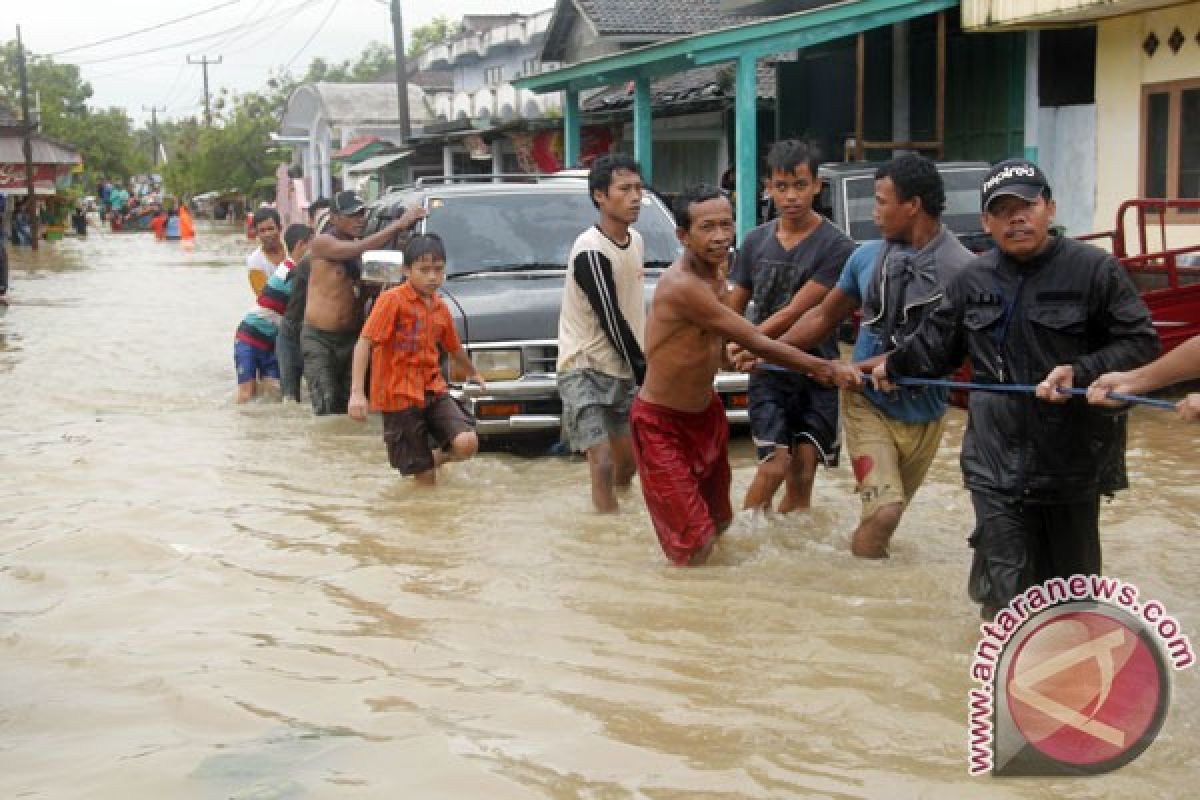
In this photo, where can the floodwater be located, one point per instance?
(205, 601)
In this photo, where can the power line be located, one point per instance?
(193, 40)
(309, 41)
(145, 30)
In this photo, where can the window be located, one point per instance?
(493, 75)
(531, 66)
(1171, 142)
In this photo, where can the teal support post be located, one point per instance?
(643, 129)
(746, 138)
(570, 128)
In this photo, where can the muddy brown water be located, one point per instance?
(205, 601)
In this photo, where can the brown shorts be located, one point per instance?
(889, 457)
(407, 433)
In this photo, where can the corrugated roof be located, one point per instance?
(45, 151)
(370, 102)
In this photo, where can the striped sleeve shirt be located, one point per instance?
(602, 323)
(260, 326)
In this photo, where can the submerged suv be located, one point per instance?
(507, 241)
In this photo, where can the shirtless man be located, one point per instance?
(332, 317)
(678, 422)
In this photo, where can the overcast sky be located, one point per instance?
(259, 35)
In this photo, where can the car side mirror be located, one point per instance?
(383, 267)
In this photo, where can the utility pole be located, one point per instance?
(401, 69)
(27, 132)
(154, 129)
(204, 62)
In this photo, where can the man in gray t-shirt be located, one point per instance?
(785, 267)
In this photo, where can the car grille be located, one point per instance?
(539, 358)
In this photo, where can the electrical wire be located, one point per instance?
(194, 40)
(145, 30)
(309, 40)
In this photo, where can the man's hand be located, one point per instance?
(741, 359)
(846, 376)
(475, 377)
(1109, 382)
(358, 406)
(880, 378)
(411, 217)
(1189, 407)
(1061, 377)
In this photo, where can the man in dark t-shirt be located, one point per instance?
(785, 267)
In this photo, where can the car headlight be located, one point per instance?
(498, 365)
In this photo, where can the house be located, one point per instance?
(465, 114)
(865, 78)
(482, 123)
(321, 118)
(1117, 100)
(691, 107)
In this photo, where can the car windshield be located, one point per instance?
(504, 231)
(962, 202)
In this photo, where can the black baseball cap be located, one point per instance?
(1017, 177)
(347, 203)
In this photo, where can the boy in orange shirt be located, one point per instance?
(400, 341)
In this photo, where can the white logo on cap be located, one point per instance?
(1014, 171)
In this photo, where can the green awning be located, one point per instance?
(751, 40)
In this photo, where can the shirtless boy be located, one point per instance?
(680, 433)
(331, 315)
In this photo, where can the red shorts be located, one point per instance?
(683, 464)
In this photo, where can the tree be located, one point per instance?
(104, 137)
(436, 31)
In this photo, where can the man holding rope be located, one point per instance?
(1039, 309)
(896, 281)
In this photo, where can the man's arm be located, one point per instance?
(331, 248)
(810, 296)
(821, 320)
(593, 272)
(695, 303)
(1181, 364)
(1125, 321)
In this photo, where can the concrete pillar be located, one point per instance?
(447, 160)
(571, 137)
(901, 85)
(643, 129)
(746, 130)
(1032, 98)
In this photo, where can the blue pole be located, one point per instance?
(746, 137)
(570, 128)
(643, 129)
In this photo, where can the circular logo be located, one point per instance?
(1088, 689)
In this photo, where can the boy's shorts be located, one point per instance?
(890, 457)
(595, 407)
(254, 364)
(406, 433)
(683, 464)
(787, 409)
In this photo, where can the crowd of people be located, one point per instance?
(1038, 310)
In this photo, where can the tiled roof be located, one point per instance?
(660, 17)
(694, 85)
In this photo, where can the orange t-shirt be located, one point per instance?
(406, 332)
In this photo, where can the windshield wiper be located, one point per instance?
(523, 267)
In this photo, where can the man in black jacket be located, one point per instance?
(1039, 309)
